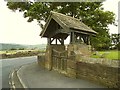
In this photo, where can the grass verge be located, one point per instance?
(113, 54)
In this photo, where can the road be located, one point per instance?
(7, 65)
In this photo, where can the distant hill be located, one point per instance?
(4, 46)
(39, 46)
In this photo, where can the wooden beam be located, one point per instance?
(61, 41)
(52, 40)
(83, 32)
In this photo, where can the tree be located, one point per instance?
(90, 13)
(115, 41)
(13, 49)
(21, 49)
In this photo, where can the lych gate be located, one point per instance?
(59, 60)
(57, 28)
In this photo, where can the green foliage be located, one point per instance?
(90, 13)
(115, 41)
(21, 49)
(13, 49)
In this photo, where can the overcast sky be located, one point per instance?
(15, 29)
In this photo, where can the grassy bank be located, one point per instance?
(19, 53)
(113, 54)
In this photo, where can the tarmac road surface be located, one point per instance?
(7, 65)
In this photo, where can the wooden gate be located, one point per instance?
(59, 60)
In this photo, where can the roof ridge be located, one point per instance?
(53, 12)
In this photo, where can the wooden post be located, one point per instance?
(89, 43)
(48, 41)
(75, 38)
(72, 37)
(56, 41)
(80, 39)
(62, 42)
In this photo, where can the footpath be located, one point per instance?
(33, 76)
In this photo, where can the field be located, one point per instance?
(19, 53)
(113, 54)
(16, 51)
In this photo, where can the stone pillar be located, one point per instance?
(48, 57)
(75, 53)
(71, 68)
(71, 62)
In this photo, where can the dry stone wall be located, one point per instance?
(102, 71)
(41, 60)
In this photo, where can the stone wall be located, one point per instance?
(41, 60)
(75, 51)
(79, 49)
(71, 68)
(102, 71)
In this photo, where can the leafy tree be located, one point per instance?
(116, 41)
(21, 49)
(13, 49)
(90, 13)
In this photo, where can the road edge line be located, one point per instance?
(11, 82)
(21, 81)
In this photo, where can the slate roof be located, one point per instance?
(68, 22)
